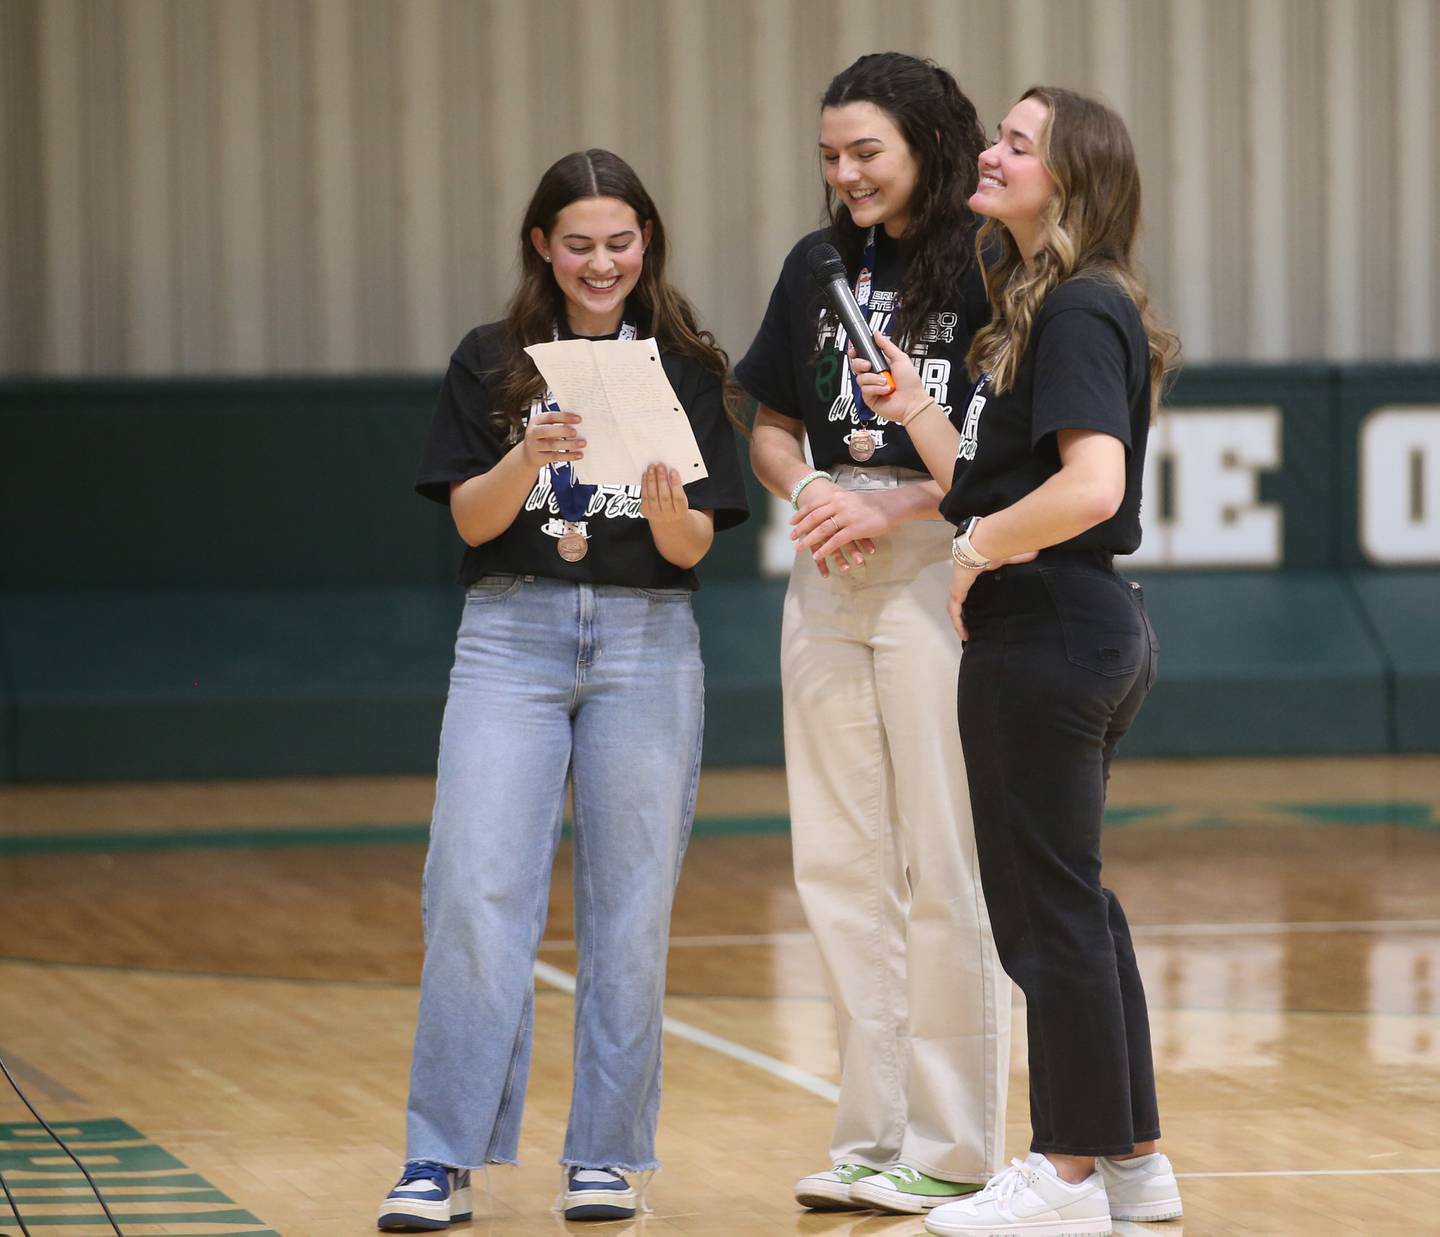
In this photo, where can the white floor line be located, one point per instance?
(557, 978)
(1293, 928)
(1322, 1172)
(711, 942)
(1376, 927)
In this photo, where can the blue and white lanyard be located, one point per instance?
(571, 497)
(863, 412)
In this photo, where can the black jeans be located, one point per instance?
(1060, 657)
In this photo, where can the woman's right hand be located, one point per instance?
(908, 390)
(551, 438)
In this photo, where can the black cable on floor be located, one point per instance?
(64, 1146)
(19, 1219)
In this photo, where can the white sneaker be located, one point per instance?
(1028, 1199)
(1141, 1189)
(830, 1191)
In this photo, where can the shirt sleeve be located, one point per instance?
(723, 490)
(767, 370)
(462, 443)
(1081, 363)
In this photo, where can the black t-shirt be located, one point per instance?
(796, 367)
(1086, 367)
(463, 443)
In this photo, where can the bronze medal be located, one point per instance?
(573, 546)
(862, 445)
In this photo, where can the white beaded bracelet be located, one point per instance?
(957, 552)
(802, 483)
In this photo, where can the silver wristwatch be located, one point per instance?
(963, 552)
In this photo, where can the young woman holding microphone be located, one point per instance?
(1044, 488)
(880, 821)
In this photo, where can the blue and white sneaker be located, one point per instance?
(427, 1196)
(597, 1194)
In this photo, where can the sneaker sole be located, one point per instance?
(599, 1211)
(1099, 1227)
(1169, 1209)
(599, 1204)
(827, 1196)
(894, 1201)
(425, 1217)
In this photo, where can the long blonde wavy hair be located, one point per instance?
(1088, 229)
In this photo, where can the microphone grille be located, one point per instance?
(825, 263)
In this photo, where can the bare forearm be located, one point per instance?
(909, 502)
(776, 453)
(1061, 508)
(483, 507)
(937, 441)
(685, 541)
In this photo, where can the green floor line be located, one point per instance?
(1407, 814)
(302, 835)
(123, 1162)
(1410, 814)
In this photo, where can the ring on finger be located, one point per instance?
(835, 522)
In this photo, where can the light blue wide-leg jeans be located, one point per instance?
(603, 685)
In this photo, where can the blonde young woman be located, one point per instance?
(1044, 490)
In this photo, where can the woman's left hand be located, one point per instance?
(662, 496)
(962, 580)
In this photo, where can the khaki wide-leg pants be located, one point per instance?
(885, 855)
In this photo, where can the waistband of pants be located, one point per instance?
(883, 477)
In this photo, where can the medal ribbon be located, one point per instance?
(864, 280)
(571, 497)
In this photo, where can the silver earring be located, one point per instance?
(546, 256)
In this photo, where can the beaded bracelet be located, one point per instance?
(802, 483)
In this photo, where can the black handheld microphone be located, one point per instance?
(827, 270)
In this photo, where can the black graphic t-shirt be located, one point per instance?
(785, 372)
(464, 443)
(1086, 367)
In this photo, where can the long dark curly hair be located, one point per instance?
(945, 137)
(538, 303)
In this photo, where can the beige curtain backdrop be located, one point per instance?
(286, 186)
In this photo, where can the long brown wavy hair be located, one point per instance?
(945, 137)
(538, 303)
(1088, 231)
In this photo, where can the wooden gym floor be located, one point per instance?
(212, 987)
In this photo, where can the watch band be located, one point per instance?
(964, 552)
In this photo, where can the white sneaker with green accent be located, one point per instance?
(1028, 1199)
(908, 1191)
(1143, 1188)
(830, 1191)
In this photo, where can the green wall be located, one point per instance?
(204, 578)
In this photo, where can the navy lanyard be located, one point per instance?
(571, 497)
(863, 412)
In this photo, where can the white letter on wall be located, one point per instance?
(1216, 459)
(1400, 485)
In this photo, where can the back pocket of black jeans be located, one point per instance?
(1101, 627)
